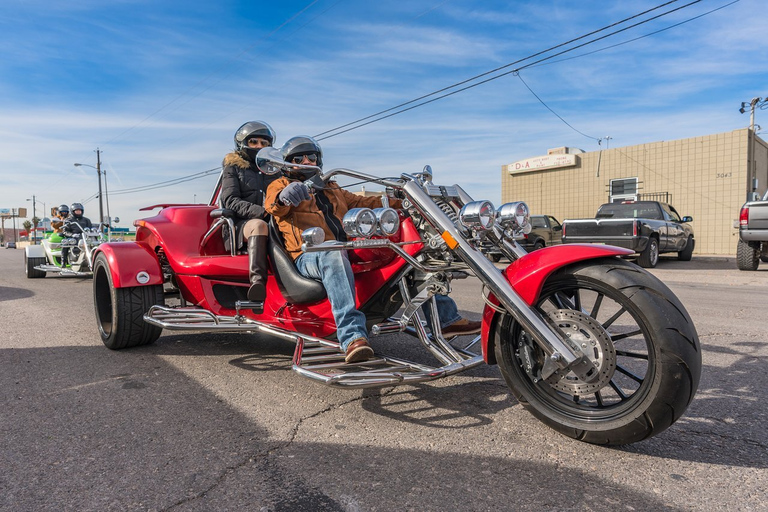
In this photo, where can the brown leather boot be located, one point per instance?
(257, 268)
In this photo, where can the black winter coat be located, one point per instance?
(70, 228)
(243, 188)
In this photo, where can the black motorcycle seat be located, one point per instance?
(296, 288)
(222, 212)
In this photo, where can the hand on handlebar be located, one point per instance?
(294, 194)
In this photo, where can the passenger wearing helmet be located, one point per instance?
(73, 226)
(242, 190)
(62, 212)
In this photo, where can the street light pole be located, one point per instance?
(98, 172)
(34, 223)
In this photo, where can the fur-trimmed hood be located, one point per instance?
(235, 159)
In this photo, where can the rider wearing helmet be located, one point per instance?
(243, 187)
(73, 226)
(294, 209)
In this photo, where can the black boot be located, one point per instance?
(257, 268)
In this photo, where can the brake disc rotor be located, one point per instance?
(590, 337)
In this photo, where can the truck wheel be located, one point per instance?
(30, 264)
(538, 245)
(747, 257)
(495, 258)
(687, 253)
(120, 311)
(650, 255)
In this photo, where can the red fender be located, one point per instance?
(127, 260)
(528, 274)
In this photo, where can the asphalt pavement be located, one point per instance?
(202, 421)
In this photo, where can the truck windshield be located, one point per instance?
(629, 211)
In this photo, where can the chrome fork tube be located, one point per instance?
(532, 321)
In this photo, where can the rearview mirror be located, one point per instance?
(687, 218)
(270, 161)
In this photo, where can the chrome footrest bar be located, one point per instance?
(327, 365)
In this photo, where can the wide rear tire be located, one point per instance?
(30, 264)
(120, 311)
(647, 353)
(747, 257)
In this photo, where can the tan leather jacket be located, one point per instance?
(293, 220)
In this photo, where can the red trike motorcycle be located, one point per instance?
(593, 345)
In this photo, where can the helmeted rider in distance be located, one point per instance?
(73, 226)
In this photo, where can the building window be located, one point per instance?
(624, 189)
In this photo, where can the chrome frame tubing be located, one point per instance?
(560, 353)
(218, 224)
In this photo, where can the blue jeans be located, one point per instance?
(334, 271)
(446, 310)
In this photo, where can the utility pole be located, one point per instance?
(98, 171)
(752, 170)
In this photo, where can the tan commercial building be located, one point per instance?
(708, 178)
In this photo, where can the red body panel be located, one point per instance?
(528, 274)
(127, 259)
(178, 231)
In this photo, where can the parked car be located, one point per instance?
(753, 234)
(545, 231)
(10, 245)
(647, 227)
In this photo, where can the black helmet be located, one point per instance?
(63, 209)
(302, 145)
(253, 129)
(77, 206)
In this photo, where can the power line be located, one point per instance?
(358, 123)
(637, 38)
(555, 113)
(513, 71)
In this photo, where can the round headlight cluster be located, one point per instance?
(387, 220)
(478, 215)
(515, 216)
(364, 222)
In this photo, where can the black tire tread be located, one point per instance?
(31, 263)
(129, 304)
(687, 253)
(644, 260)
(678, 361)
(747, 257)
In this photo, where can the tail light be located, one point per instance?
(635, 226)
(744, 216)
(563, 233)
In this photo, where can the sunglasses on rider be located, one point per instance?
(258, 142)
(312, 157)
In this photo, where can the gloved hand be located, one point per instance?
(294, 194)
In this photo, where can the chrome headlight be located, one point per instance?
(388, 221)
(313, 236)
(478, 215)
(359, 222)
(515, 216)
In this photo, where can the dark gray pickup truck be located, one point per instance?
(753, 234)
(646, 227)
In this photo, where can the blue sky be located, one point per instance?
(160, 87)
